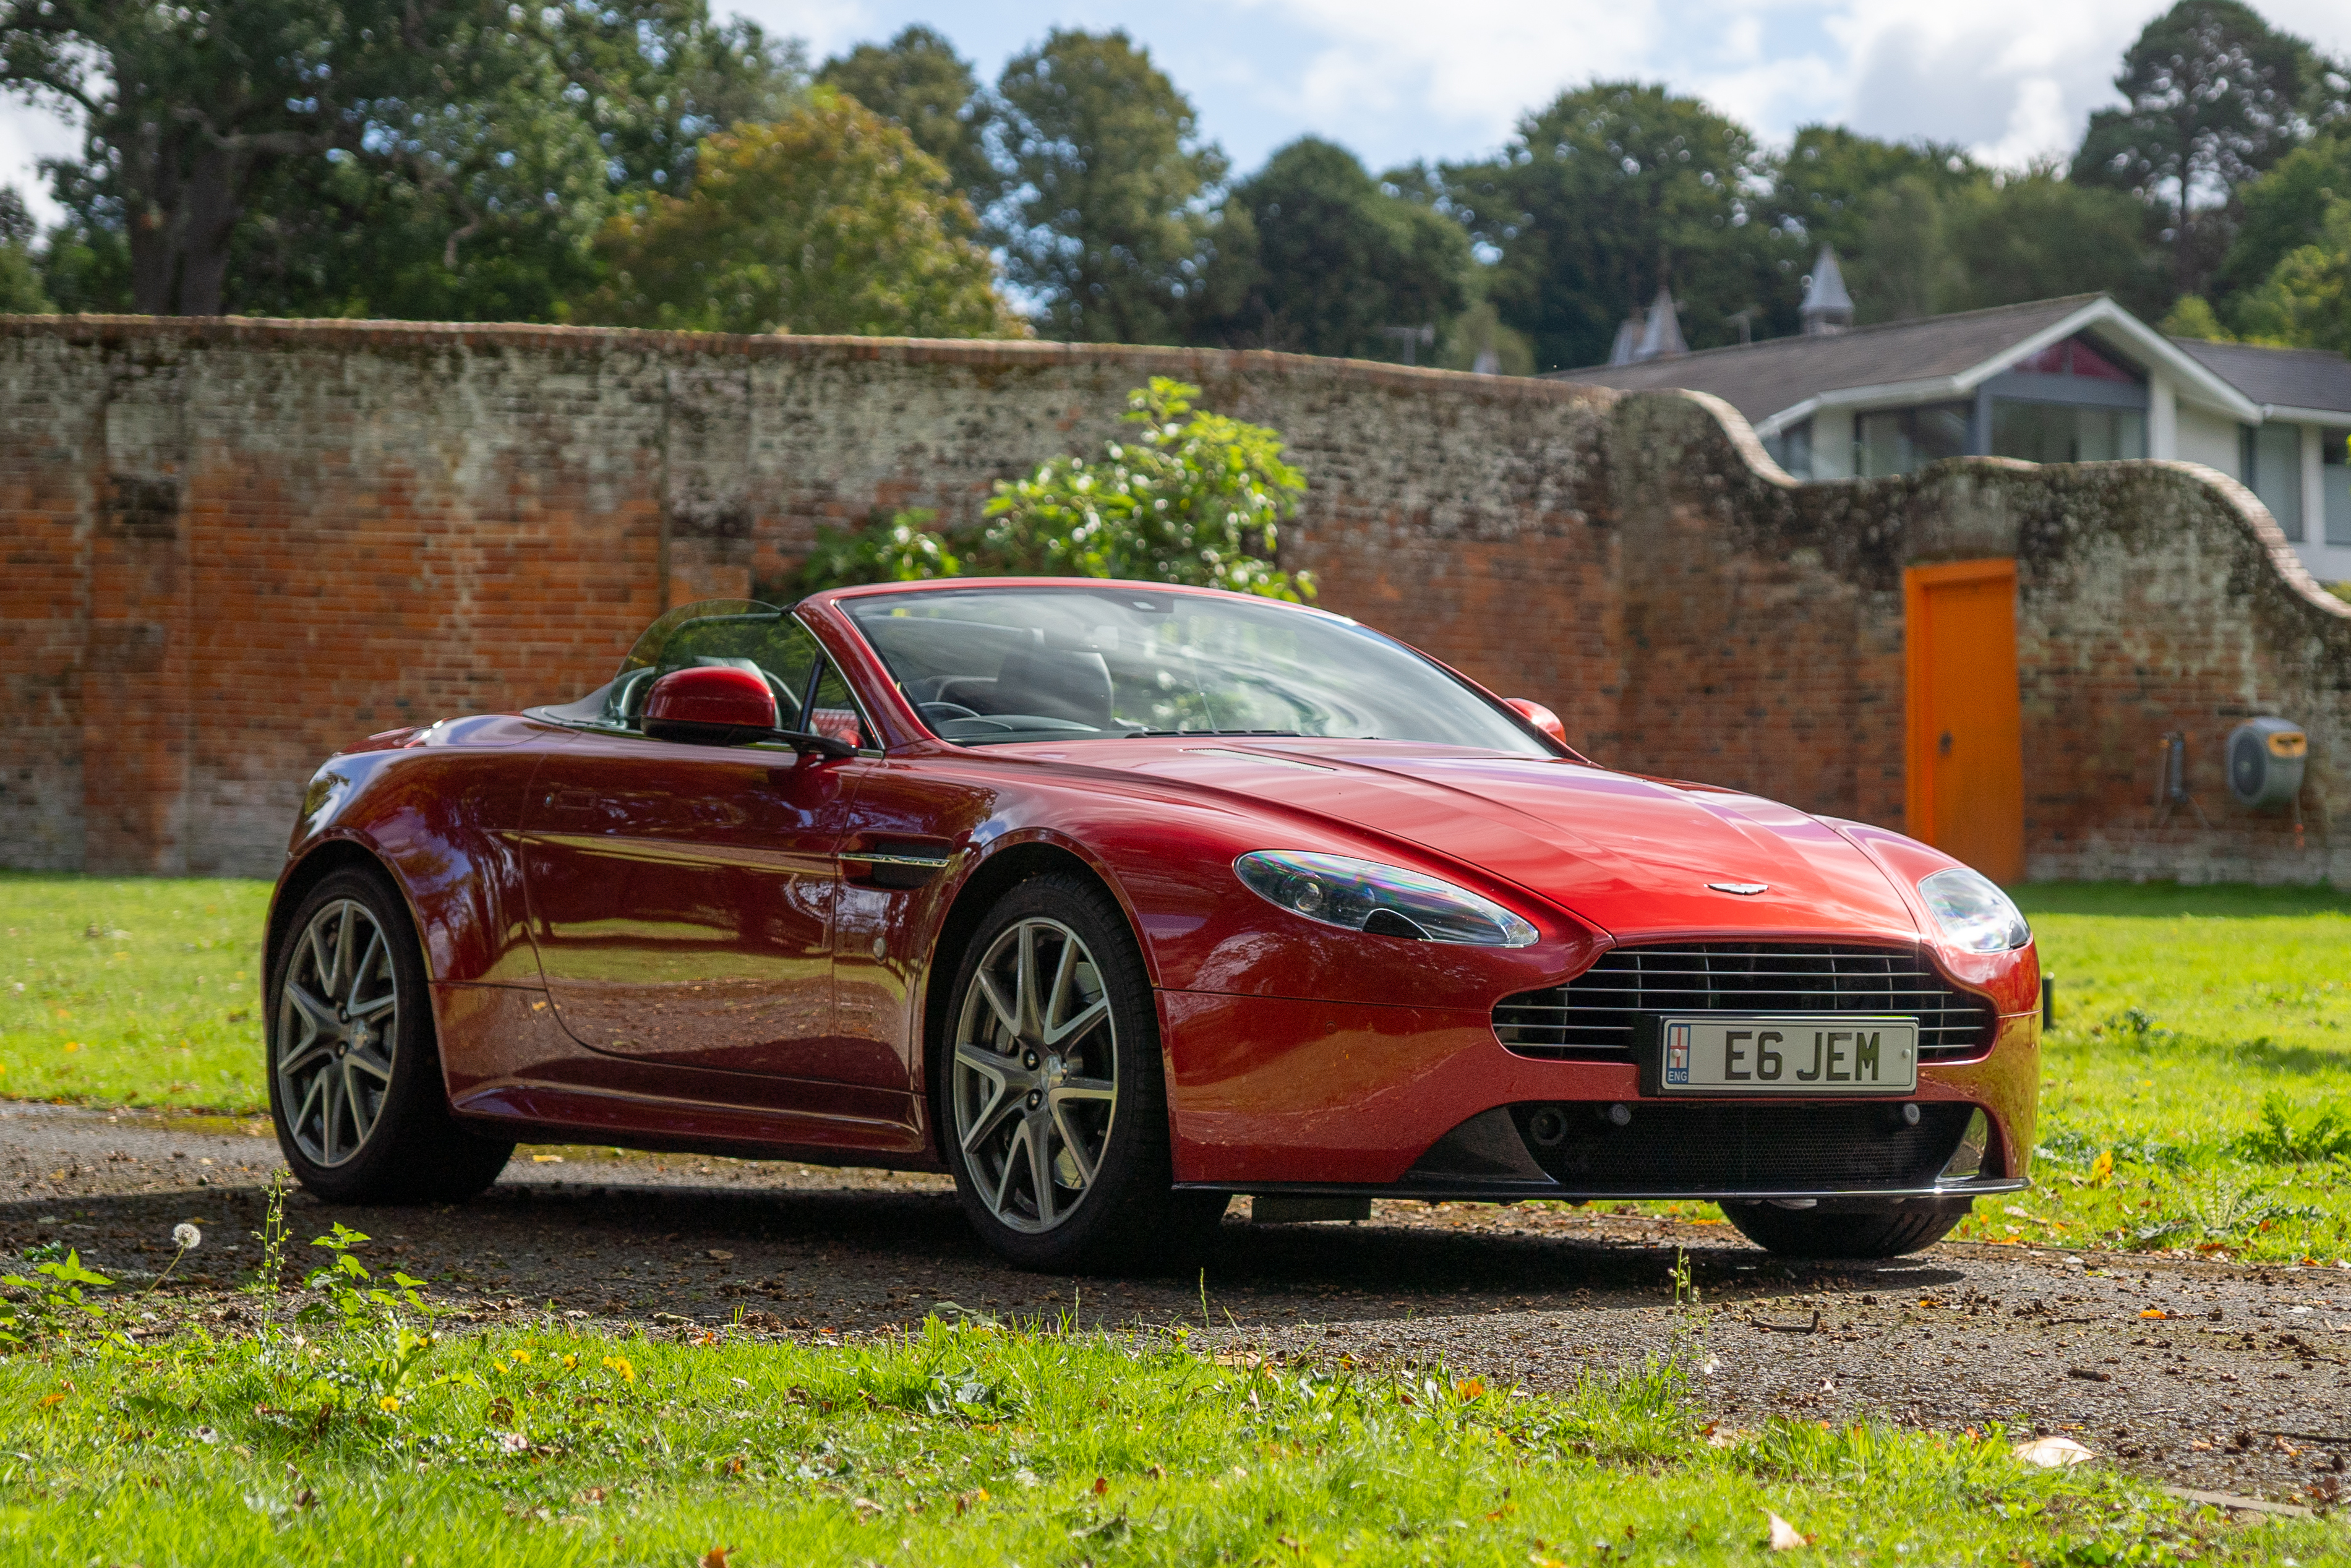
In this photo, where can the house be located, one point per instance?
(2079, 379)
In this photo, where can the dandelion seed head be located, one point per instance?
(187, 1237)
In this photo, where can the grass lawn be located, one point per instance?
(131, 991)
(2182, 1013)
(978, 1445)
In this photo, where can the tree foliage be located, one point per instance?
(1193, 498)
(1103, 220)
(1605, 194)
(919, 80)
(2214, 97)
(1314, 255)
(2306, 301)
(829, 220)
(20, 277)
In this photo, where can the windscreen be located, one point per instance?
(1001, 664)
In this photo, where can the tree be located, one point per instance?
(830, 220)
(2215, 96)
(448, 158)
(919, 80)
(185, 109)
(1104, 218)
(2002, 241)
(2281, 211)
(20, 280)
(1195, 498)
(1821, 188)
(1605, 194)
(2306, 301)
(1312, 255)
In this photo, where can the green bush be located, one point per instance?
(1195, 497)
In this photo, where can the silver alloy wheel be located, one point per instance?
(1035, 1084)
(337, 1027)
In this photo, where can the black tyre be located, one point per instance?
(1050, 1099)
(355, 1087)
(1882, 1229)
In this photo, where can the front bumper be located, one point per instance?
(1278, 1095)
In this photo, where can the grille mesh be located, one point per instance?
(1591, 1017)
(1747, 1147)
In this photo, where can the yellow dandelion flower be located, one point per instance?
(620, 1363)
(389, 1403)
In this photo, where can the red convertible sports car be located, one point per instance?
(1115, 900)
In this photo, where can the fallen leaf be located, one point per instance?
(1469, 1388)
(715, 1557)
(719, 1255)
(1101, 1485)
(546, 1159)
(2052, 1453)
(1786, 1537)
(2155, 1312)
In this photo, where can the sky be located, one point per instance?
(1399, 80)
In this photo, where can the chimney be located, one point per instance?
(1827, 307)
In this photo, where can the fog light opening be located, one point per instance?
(1967, 1161)
(1547, 1126)
(1620, 1114)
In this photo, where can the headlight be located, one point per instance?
(1973, 912)
(1384, 900)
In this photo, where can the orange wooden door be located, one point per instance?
(1965, 737)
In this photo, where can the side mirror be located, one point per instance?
(710, 705)
(1541, 717)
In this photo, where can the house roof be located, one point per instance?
(2296, 380)
(1758, 380)
(1782, 380)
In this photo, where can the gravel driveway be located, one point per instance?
(2241, 1384)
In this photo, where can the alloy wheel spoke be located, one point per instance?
(1086, 1089)
(330, 1111)
(363, 969)
(1041, 1170)
(1094, 1013)
(342, 980)
(1025, 978)
(311, 1091)
(317, 1014)
(311, 1052)
(1007, 1013)
(1011, 1164)
(373, 1004)
(1057, 997)
(1071, 1142)
(364, 1059)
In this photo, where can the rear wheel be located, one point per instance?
(1050, 1089)
(1881, 1229)
(355, 1087)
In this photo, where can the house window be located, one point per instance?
(1896, 440)
(1792, 449)
(2272, 454)
(2065, 432)
(2335, 484)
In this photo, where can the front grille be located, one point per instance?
(1592, 1017)
(1741, 1147)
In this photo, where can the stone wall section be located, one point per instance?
(233, 546)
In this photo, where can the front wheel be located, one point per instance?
(1854, 1228)
(355, 1087)
(1051, 1091)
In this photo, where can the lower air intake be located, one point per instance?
(1748, 1147)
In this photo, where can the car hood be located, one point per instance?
(1632, 856)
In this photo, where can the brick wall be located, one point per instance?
(232, 545)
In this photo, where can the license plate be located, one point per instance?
(1724, 1054)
